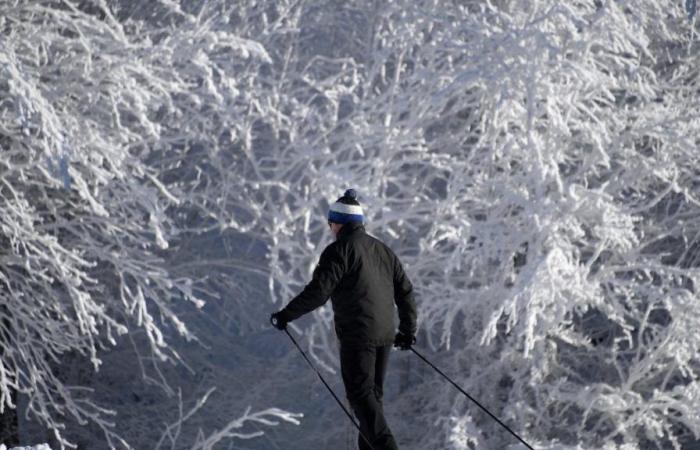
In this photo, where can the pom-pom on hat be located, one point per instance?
(346, 209)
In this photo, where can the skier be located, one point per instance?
(364, 279)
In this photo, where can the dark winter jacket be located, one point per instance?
(364, 279)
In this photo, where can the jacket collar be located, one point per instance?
(351, 228)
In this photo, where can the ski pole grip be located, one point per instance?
(273, 321)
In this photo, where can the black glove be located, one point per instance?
(279, 320)
(404, 341)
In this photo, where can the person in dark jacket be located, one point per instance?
(364, 280)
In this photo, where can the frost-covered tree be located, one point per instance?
(110, 128)
(535, 165)
(533, 162)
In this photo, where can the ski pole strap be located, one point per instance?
(472, 399)
(347, 413)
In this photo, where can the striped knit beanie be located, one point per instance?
(346, 209)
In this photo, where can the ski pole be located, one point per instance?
(472, 399)
(330, 390)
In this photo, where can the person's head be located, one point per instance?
(345, 210)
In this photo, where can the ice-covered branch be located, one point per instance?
(232, 430)
(104, 119)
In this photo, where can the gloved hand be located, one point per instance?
(404, 341)
(279, 320)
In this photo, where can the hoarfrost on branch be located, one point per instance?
(533, 163)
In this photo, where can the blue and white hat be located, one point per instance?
(346, 209)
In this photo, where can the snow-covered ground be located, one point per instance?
(35, 447)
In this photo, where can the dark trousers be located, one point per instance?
(363, 369)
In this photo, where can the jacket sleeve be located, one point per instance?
(405, 301)
(326, 276)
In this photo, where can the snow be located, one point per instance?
(166, 168)
(35, 447)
